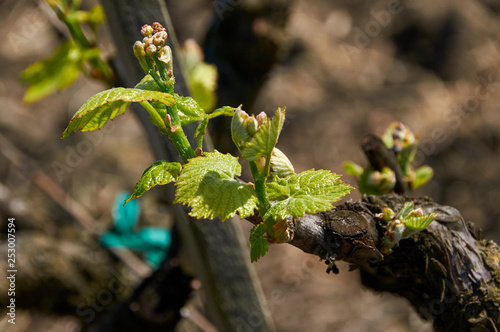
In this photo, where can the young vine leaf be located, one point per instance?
(266, 137)
(406, 210)
(107, 104)
(148, 83)
(416, 224)
(57, 72)
(258, 242)
(160, 173)
(189, 110)
(309, 191)
(207, 185)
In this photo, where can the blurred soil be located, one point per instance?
(346, 69)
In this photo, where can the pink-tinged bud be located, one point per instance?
(157, 27)
(168, 119)
(147, 41)
(146, 30)
(417, 213)
(159, 38)
(151, 49)
(261, 118)
(139, 50)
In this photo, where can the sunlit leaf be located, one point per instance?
(189, 110)
(148, 83)
(160, 173)
(107, 104)
(266, 137)
(207, 185)
(240, 127)
(309, 191)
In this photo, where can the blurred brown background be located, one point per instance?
(343, 69)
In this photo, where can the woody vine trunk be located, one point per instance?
(448, 272)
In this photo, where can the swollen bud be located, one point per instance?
(150, 50)
(139, 50)
(243, 127)
(157, 27)
(159, 38)
(281, 166)
(147, 30)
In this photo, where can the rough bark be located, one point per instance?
(448, 272)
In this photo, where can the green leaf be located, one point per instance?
(405, 158)
(203, 84)
(309, 191)
(107, 104)
(148, 83)
(200, 131)
(160, 173)
(387, 137)
(207, 185)
(189, 110)
(422, 175)
(54, 73)
(352, 168)
(258, 242)
(416, 224)
(223, 111)
(241, 127)
(266, 137)
(406, 210)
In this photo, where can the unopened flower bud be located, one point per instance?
(146, 30)
(139, 50)
(157, 27)
(159, 38)
(251, 124)
(147, 41)
(151, 49)
(261, 118)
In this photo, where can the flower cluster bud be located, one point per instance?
(382, 181)
(402, 137)
(153, 41)
(244, 126)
